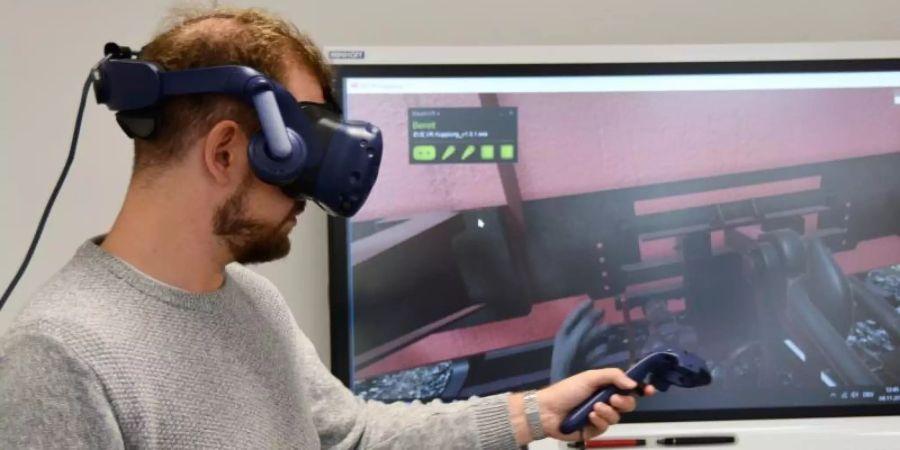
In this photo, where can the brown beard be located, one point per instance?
(249, 241)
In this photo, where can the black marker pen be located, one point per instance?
(696, 440)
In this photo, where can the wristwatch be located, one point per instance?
(533, 416)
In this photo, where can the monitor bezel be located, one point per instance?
(338, 237)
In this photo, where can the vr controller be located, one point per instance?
(304, 148)
(659, 369)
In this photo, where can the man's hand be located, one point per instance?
(557, 400)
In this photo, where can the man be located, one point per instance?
(150, 338)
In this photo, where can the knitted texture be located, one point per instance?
(106, 357)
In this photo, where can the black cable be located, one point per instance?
(53, 195)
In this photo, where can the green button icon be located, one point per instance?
(470, 150)
(487, 152)
(508, 151)
(424, 153)
(448, 152)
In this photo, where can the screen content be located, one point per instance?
(526, 228)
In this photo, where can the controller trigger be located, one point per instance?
(640, 389)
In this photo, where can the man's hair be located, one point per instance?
(214, 37)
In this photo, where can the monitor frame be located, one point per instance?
(340, 291)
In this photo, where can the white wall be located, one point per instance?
(47, 47)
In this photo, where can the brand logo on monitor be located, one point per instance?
(346, 54)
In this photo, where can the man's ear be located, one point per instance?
(225, 152)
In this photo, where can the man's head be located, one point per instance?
(201, 143)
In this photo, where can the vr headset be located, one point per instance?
(304, 148)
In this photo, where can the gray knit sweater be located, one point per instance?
(105, 357)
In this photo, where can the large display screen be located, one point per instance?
(530, 223)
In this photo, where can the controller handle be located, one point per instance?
(578, 417)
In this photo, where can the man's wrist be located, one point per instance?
(534, 416)
(527, 417)
(518, 420)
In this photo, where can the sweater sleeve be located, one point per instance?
(344, 421)
(50, 399)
